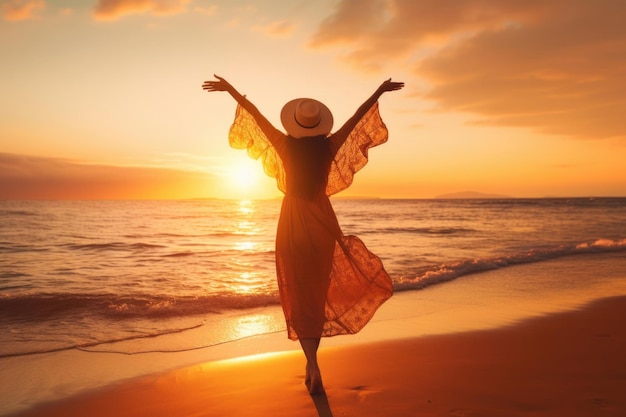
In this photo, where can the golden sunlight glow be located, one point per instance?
(243, 179)
(247, 283)
(244, 175)
(246, 227)
(246, 207)
(253, 325)
(245, 246)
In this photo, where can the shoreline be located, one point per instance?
(562, 364)
(497, 299)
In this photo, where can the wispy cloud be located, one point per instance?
(278, 29)
(14, 10)
(27, 177)
(185, 162)
(207, 11)
(115, 9)
(553, 65)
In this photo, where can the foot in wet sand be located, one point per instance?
(313, 381)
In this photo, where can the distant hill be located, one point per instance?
(470, 194)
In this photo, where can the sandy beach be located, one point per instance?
(562, 364)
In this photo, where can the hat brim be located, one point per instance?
(288, 119)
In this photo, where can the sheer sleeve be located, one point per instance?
(245, 133)
(351, 156)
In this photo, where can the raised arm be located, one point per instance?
(342, 134)
(222, 85)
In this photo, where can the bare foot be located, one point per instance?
(314, 383)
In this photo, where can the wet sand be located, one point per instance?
(563, 364)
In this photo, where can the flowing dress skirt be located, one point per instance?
(330, 284)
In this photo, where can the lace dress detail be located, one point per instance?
(371, 131)
(329, 283)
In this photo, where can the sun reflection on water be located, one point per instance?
(246, 226)
(245, 246)
(249, 239)
(246, 207)
(247, 283)
(255, 324)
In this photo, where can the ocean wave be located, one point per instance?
(179, 254)
(86, 346)
(9, 212)
(421, 230)
(37, 307)
(432, 275)
(8, 247)
(12, 274)
(543, 202)
(114, 246)
(177, 235)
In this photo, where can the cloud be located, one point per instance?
(207, 11)
(15, 10)
(278, 29)
(27, 177)
(115, 9)
(353, 20)
(557, 66)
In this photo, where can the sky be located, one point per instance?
(102, 99)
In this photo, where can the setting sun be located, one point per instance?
(245, 174)
(243, 178)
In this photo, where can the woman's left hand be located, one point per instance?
(220, 85)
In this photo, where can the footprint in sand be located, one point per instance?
(363, 391)
(600, 402)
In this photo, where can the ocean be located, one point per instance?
(96, 292)
(89, 275)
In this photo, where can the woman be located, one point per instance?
(329, 284)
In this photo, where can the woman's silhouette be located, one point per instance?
(329, 284)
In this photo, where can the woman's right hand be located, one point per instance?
(389, 85)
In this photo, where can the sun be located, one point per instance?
(245, 173)
(243, 178)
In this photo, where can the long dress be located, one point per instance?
(329, 283)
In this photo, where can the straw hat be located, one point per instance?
(305, 117)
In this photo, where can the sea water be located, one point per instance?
(94, 292)
(86, 274)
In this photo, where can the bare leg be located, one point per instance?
(313, 379)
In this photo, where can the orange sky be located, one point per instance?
(102, 98)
